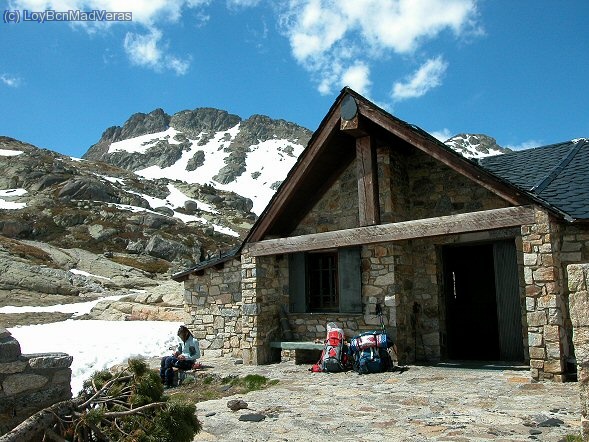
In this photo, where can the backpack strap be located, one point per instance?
(316, 368)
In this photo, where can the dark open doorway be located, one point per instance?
(481, 300)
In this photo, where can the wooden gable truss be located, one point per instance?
(353, 129)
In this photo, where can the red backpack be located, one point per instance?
(334, 356)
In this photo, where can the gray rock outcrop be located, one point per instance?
(138, 124)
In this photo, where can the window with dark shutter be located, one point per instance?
(297, 283)
(327, 281)
(350, 280)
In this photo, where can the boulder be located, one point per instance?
(36, 278)
(165, 248)
(191, 207)
(164, 211)
(99, 232)
(86, 188)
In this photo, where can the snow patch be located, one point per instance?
(10, 153)
(141, 143)
(11, 205)
(267, 163)
(181, 216)
(87, 340)
(111, 179)
(83, 273)
(13, 192)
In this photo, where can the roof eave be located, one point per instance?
(228, 256)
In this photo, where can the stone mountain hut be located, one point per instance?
(466, 259)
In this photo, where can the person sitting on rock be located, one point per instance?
(183, 358)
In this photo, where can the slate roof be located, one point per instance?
(557, 174)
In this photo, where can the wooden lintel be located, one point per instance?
(421, 228)
(366, 173)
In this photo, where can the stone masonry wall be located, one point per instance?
(545, 303)
(235, 310)
(578, 285)
(575, 250)
(393, 184)
(437, 190)
(249, 341)
(336, 210)
(403, 277)
(29, 383)
(575, 244)
(265, 292)
(213, 304)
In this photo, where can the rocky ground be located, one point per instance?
(159, 303)
(79, 276)
(8, 320)
(421, 403)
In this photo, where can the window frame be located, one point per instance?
(349, 283)
(322, 276)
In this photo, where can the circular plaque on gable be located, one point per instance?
(348, 108)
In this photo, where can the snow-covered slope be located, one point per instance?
(206, 147)
(266, 163)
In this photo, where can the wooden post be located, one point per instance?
(368, 206)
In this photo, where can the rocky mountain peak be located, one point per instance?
(262, 128)
(206, 146)
(138, 124)
(141, 124)
(475, 145)
(203, 120)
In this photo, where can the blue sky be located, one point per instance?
(517, 71)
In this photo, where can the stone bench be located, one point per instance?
(302, 352)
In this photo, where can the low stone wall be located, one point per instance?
(578, 282)
(213, 305)
(29, 383)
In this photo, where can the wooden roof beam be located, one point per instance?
(421, 228)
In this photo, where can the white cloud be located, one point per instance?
(179, 66)
(428, 76)
(146, 51)
(357, 77)
(442, 135)
(329, 36)
(233, 4)
(10, 80)
(142, 49)
(525, 145)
